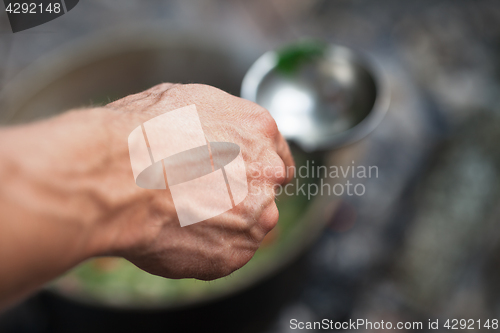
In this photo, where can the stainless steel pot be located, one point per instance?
(117, 63)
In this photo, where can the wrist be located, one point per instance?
(120, 217)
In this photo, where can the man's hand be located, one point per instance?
(218, 246)
(69, 180)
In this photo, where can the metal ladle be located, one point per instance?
(320, 102)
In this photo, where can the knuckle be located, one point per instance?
(280, 174)
(275, 172)
(269, 218)
(162, 87)
(267, 124)
(261, 118)
(166, 90)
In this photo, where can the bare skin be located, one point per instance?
(67, 192)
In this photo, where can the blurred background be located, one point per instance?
(422, 243)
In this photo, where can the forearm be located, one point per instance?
(35, 248)
(49, 200)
